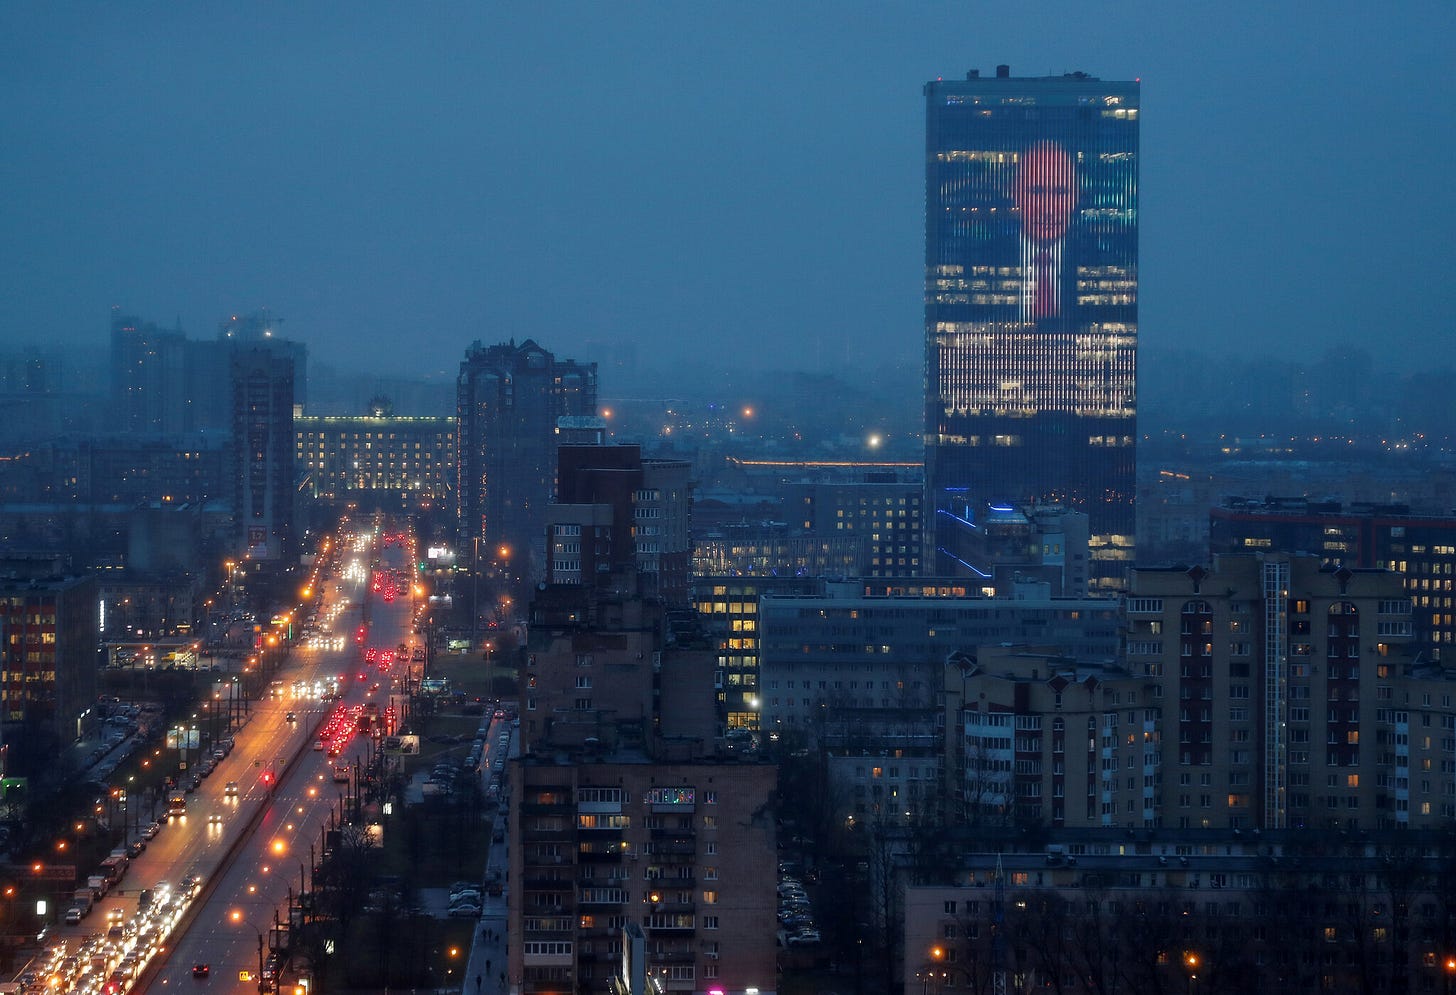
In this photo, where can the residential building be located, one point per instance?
(1420, 548)
(1185, 911)
(881, 508)
(508, 400)
(48, 652)
(1284, 694)
(615, 510)
(629, 810)
(864, 678)
(266, 378)
(149, 384)
(728, 607)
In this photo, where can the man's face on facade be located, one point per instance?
(1045, 193)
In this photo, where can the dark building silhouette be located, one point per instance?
(48, 638)
(508, 400)
(149, 386)
(616, 510)
(264, 377)
(1031, 304)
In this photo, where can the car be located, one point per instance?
(807, 938)
(150, 830)
(201, 970)
(135, 847)
(74, 915)
(231, 791)
(290, 717)
(214, 819)
(464, 911)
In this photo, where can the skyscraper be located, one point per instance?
(148, 383)
(1031, 305)
(508, 398)
(264, 379)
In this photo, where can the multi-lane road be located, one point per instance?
(255, 825)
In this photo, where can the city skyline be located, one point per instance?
(393, 187)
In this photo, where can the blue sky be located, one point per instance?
(726, 184)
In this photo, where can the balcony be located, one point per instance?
(677, 846)
(546, 882)
(602, 855)
(530, 860)
(672, 881)
(670, 957)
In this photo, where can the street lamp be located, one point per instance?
(1192, 962)
(237, 917)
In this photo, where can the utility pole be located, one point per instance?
(998, 933)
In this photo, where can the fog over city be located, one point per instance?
(695, 187)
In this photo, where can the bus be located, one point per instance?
(176, 804)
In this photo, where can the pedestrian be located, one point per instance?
(479, 981)
(487, 963)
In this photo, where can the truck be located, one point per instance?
(341, 773)
(114, 868)
(176, 804)
(98, 886)
(82, 899)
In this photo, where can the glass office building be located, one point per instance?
(1031, 306)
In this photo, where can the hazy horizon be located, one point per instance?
(679, 185)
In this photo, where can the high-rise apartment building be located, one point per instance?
(148, 381)
(264, 377)
(1031, 304)
(48, 630)
(631, 823)
(1421, 548)
(508, 400)
(616, 510)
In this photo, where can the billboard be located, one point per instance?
(1032, 244)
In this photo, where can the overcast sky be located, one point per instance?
(739, 183)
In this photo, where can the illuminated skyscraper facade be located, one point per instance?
(1031, 305)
